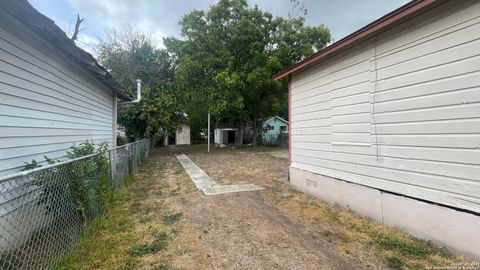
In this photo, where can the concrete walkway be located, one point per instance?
(206, 184)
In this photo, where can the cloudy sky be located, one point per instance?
(160, 17)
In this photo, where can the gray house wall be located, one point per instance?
(398, 114)
(47, 103)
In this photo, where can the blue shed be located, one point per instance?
(273, 127)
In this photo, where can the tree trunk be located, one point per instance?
(255, 132)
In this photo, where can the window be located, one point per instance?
(283, 128)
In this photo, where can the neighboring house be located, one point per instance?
(273, 127)
(387, 122)
(180, 137)
(52, 94)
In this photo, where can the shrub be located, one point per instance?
(84, 185)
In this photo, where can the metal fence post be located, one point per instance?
(112, 174)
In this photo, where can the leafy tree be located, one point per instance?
(130, 54)
(228, 55)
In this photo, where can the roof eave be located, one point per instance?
(26, 14)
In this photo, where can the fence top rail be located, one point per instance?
(25, 173)
(125, 145)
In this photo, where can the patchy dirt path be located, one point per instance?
(243, 231)
(162, 221)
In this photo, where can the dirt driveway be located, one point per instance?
(163, 222)
(243, 230)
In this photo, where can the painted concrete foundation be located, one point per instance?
(458, 231)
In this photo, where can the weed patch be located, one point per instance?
(161, 267)
(160, 242)
(395, 263)
(129, 265)
(170, 219)
(400, 244)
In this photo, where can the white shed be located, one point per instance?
(387, 122)
(52, 93)
(225, 136)
(180, 137)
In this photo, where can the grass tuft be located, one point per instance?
(395, 263)
(160, 242)
(401, 244)
(161, 267)
(129, 265)
(170, 219)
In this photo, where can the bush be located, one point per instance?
(83, 185)
(280, 140)
(122, 141)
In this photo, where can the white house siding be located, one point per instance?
(399, 112)
(47, 103)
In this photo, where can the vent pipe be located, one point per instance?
(139, 93)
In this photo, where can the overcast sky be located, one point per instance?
(160, 17)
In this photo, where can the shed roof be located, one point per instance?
(405, 12)
(26, 14)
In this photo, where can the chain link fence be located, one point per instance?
(43, 211)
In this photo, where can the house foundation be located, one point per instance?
(456, 230)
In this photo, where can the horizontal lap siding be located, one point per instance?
(47, 104)
(420, 128)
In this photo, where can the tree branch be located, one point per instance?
(77, 28)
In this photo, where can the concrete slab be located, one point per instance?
(206, 184)
(231, 188)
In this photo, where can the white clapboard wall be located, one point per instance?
(399, 112)
(47, 102)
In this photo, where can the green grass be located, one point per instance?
(396, 249)
(105, 237)
(161, 267)
(405, 246)
(160, 242)
(129, 265)
(395, 263)
(170, 219)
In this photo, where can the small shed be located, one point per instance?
(181, 136)
(273, 127)
(225, 136)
